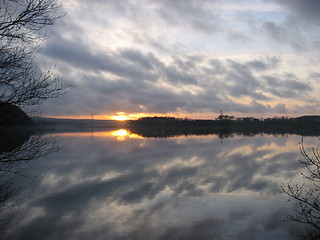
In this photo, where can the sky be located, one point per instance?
(186, 58)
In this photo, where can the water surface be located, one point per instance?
(117, 185)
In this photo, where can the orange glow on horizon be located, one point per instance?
(121, 116)
(100, 117)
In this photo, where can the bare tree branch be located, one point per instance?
(307, 195)
(22, 25)
(24, 20)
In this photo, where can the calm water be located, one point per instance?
(113, 185)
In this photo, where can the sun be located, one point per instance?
(120, 118)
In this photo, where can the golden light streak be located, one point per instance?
(120, 134)
(121, 118)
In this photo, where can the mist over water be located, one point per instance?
(117, 185)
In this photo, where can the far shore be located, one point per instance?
(170, 127)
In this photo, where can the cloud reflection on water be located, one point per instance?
(178, 188)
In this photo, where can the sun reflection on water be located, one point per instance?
(120, 134)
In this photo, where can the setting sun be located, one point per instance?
(120, 118)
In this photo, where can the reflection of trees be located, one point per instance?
(170, 127)
(307, 195)
(169, 132)
(8, 204)
(17, 159)
(16, 153)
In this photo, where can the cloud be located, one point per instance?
(297, 28)
(286, 33)
(305, 9)
(287, 86)
(177, 57)
(195, 13)
(190, 83)
(137, 57)
(262, 65)
(277, 32)
(77, 55)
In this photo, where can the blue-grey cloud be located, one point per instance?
(287, 33)
(138, 79)
(306, 9)
(286, 86)
(297, 28)
(155, 74)
(78, 55)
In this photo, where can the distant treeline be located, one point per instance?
(225, 125)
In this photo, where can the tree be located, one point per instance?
(22, 29)
(22, 83)
(307, 195)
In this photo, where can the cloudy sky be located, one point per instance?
(186, 58)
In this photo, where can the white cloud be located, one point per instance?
(190, 56)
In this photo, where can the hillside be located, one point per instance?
(13, 116)
(58, 123)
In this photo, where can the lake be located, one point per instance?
(118, 185)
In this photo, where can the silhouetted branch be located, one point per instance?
(23, 20)
(307, 195)
(22, 82)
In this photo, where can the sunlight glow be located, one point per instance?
(120, 133)
(120, 118)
